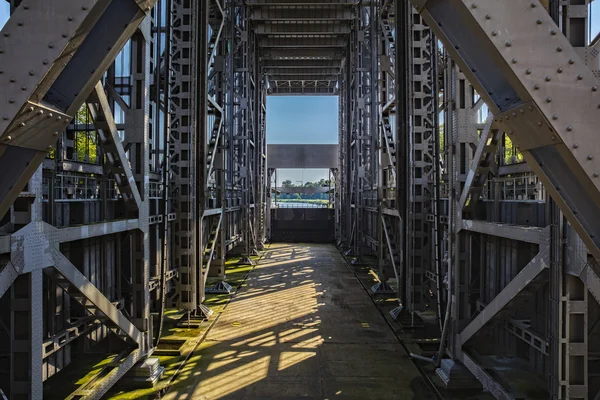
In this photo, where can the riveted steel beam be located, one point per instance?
(535, 83)
(58, 75)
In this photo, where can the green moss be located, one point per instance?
(235, 276)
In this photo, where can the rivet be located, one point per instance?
(514, 114)
(594, 88)
(8, 138)
(69, 18)
(50, 46)
(571, 61)
(65, 35)
(22, 124)
(31, 109)
(6, 34)
(575, 146)
(579, 77)
(45, 62)
(596, 174)
(528, 72)
(548, 99)
(536, 87)
(522, 111)
(11, 100)
(514, 60)
(26, 7)
(31, 73)
(50, 147)
(83, 8)
(5, 118)
(560, 70)
(12, 80)
(58, 118)
(510, 132)
(506, 117)
(539, 21)
(494, 33)
(23, 88)
(55, 133)
(50, 115)
(539, 123)
(1, 72)
(530, 108)
(473, 5)
(488, 16)
(19, 23)
(569, 128)
(1, 51)
(508, 44)
(555, 117)
(559, 49)
(553, 32)
(590, 157)
(548, 79)
(553, 137)
(533, 5)
(40, 112)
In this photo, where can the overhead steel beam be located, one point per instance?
(301, 71)
(301, 14)
(303, 77)
(298, 28)
(45, 81)
(303, 42)
(297, 64)
(535, 83)
(302, 156)
(538, 264)
(300, 53)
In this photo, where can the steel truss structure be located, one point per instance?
(134, 161)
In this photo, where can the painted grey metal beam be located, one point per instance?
(535, 83)
(4, 244)
(94, 297)
(477, 157)
(303, 3)
(487, 381)
(74, 233)
(331, 78)
(301, 64)
(538, 264)
(110, 141)
(301, 14)
(528, 234)
(296, 28)
(300, 71)
(301, 42)
(8, 274)
(300, 53)
(302, 156)
(45, 81)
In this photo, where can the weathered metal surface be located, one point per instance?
(302, 156)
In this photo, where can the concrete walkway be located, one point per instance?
(301, 327)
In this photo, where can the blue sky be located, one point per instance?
(308, 120)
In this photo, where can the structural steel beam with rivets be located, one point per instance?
(537, 86)
(45, 81)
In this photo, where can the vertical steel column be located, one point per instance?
(183, 157)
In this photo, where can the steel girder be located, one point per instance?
(537, 86)
(42, 98)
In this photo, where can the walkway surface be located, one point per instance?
(302, 326)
